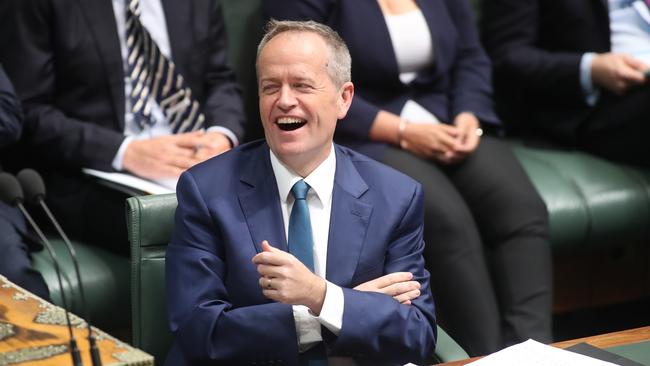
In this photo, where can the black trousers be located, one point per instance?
(487, 248)
(619, 127)
(15, 262)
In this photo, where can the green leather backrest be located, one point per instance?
(150, 221)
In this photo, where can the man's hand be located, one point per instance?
(211, 144)
(284, 278)
(162, 157)
(399, 285)
(617, 72)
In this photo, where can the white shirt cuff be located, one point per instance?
(231, 136)
(591, 93)
(331, 315)
(118, 160)
(307, 327)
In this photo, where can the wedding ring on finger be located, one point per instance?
(268, 283)
(479, 132)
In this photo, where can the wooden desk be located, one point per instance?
(600, 341)
(33, 332)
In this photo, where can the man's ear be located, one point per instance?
(346, 93)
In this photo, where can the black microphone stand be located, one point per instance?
(74, 349)
(94, 351)
(33, 185)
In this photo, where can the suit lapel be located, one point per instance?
(348, 221)
(259, 200)
(179, 19)
(378, 36)
(435, 15)
(101, 21)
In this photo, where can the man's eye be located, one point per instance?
(302, 86)
(269, 89)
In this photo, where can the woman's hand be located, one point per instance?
(441, 142)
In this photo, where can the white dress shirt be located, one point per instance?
(319, 201)
(152, 18)
(413, 47)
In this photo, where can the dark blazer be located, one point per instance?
(11, 122)
(217, 310)
(459, 80)
(536, 47)
(66, 65)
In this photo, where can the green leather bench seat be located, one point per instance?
(105, 276)
(592, 203)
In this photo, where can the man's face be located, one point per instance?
(299, 103)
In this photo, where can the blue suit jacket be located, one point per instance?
(459, 81)
(228, 205)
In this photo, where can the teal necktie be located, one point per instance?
(300, 236)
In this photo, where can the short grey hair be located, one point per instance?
(339, 66)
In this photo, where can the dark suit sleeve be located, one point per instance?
(223, 103)
(471, 74)
(11, 123)
(375, 326)
(202, 316)
(31, 59)
(510, 30)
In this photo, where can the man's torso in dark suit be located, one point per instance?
(536, 47)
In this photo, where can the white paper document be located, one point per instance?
(533, 353)
(128, 180)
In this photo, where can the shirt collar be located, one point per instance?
(321, 180)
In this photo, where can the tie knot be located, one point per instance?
(300, 189)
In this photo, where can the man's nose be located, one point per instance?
(287, 99)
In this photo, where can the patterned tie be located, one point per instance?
(154, 76)
(300, 237)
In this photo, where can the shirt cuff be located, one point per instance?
(118, 160)
(231, 136)
(307, 328)
(331, 314)
(590, 92)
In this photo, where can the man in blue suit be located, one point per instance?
(260, 273)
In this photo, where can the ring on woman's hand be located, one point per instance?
(479, 132)
(268, 284)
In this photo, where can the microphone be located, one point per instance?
(12, 194)
(34, 188)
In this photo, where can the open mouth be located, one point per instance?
(290, 123)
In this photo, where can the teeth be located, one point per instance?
(289, 120)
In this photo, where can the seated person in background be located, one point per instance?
(572, 73)
(423, 85)
(140, 86)
(15, 241)
(297, 249)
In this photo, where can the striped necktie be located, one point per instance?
(153, 76)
